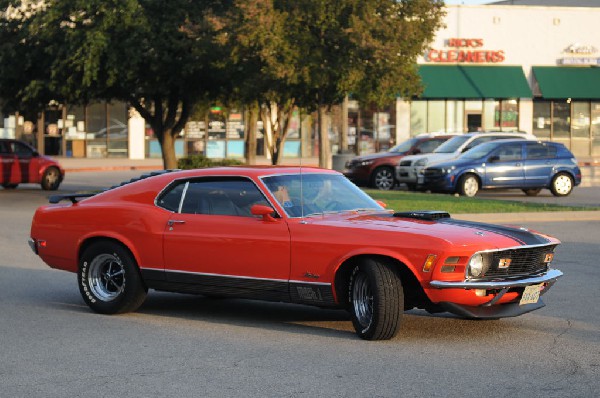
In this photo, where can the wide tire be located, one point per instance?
(468, 185)
(51, 179)
(383, 178)
(532, 191)
(562, 185)
(109, 279)
(376, 300)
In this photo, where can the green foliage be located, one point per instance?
(200, 162)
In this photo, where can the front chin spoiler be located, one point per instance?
(491, 312)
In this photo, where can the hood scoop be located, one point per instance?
(430, 215)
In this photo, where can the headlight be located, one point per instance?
(448, 170)
(476, 265)
(365, 162)
(421, 162)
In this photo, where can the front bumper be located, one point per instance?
(407, 174)
(549, 277)
(493, 309)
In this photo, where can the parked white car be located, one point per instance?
(407, 171)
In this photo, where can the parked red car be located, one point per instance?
(378, 169)
(299, 235)
(22, 164)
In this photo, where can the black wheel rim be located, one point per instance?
(106, 277)
(362, 300)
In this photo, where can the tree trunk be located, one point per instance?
(324, 147)
(251, 128)
(168, 150)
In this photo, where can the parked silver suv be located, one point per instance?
(407, 171)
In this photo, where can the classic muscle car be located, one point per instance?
(299, 235)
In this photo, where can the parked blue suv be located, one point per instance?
(522, 164)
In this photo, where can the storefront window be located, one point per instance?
(117, 130)
(541, 119)
(418, 117)
(580, 125)
(595, 128)
(506, 115)
(436, 116)
(561, 120)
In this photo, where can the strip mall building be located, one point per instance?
(501, 66)
(511, 67)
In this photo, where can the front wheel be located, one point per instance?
(468, 185)
(383, 178)
(109, 279)
(376, 300)
(562, 184)
(51, 179)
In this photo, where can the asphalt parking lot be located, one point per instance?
(180, 345)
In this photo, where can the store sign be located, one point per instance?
(580, 54)
(464, 50)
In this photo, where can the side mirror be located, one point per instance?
(261, 210)
(35, 154)
(382, 204)
(416, 151)
(493, 159)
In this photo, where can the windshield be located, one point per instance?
(405, 146)
(452, 144)
(304, 195)
(480, 150)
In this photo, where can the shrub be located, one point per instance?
(201, 161)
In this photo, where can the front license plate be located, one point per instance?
(420, 179)
(531, 294)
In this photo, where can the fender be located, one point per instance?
(108, 235)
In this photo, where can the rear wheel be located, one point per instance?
(51, 179)
(468, 185)
(376, 300)
(562, 184)
(383, 178)
(532, 192)
(109, 279)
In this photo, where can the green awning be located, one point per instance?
(470, 81)
(578, 82)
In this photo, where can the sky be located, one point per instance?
(467, 2)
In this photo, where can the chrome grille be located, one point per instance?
(433, 172)
(526, 261)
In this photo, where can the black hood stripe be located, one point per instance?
(521, 236)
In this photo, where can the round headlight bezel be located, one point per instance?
(476, 266)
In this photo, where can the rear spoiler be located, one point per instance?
(72, 197)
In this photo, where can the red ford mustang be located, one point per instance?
(305, 236)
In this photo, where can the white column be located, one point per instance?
(526, 115)
(137, 135)
(402, 120)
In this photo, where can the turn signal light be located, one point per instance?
(429, 262)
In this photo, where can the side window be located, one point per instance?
(171, 199)
(540, 151)
(477, 141)
(428, 146)
(229, 197)
(22, 150)
(508, 153)
(4, 148)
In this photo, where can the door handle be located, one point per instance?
(170, 223)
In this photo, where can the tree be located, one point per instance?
(160, 56)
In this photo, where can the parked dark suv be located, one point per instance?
(22, 164)
(377, 170)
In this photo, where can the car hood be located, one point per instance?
(459, 162)
(438, 157)
(448, 231)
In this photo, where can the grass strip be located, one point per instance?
(409, 201)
